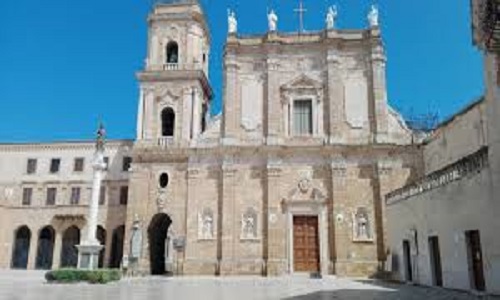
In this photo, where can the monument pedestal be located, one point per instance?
(88, 256)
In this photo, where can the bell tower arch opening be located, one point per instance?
(159, 241)
(175, 74)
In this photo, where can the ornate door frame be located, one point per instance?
(314, 207)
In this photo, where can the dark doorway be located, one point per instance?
(45, 251)
(172, 53)
(20, 254)
(117, 247)
(157, 235)
(435, 257)
(101, 237)
(407, 260)
(69, 252)
(167, 122)
(475, 257)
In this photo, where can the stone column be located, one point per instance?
(336, 112)
(230, 120)
(228, 234)
(33, 251)
(56, 258)
(88, 250)
(275, 241)
(273, 120)
(381, 110)
(339, 252)
(140, 115)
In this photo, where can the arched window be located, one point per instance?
(167, 122)
(172, 53)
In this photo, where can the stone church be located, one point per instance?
(290, 178)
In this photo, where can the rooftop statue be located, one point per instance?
(232, 22)
(272, 19)
(331, 16)
(373, 17)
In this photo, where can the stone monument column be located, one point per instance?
(88, 250)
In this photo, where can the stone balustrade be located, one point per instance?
(466, 166)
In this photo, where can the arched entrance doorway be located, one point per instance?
(45, 250)
(69, 252)
(101, 237)
(22, 238)
(117, 247)
(157, 235)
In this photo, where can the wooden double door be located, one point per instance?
(306, 244)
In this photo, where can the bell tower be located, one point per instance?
(175, 93)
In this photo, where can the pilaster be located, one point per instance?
(273, 127)
(336, 112)
(229, 233)
(338, 249)
(381, 111)
(274, 221)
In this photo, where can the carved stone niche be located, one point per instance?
(362, 226)
(206, 225)
(249, 225)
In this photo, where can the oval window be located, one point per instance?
(163, 180)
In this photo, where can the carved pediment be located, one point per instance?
(303, 82)
(305, 192)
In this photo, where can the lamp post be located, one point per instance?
(89, 249)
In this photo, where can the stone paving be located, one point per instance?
(30, 285)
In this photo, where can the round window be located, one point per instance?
(163, 180)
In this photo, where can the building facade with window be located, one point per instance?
(45, 190)
(443, 227)
(292, 177)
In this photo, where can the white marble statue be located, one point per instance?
(207, 225)
(272, 19)
(330, 17)
(373, 16)
(362, 224)
(232, 22)
(249, 225)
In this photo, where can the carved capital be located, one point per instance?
(193, 173)
(274, 171)
(339, 167)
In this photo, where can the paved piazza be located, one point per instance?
(22, 285)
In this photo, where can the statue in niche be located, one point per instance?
(272, 20)
(206, 225)
(362, 225)
(330, 17)
(249, 224)
(136, 239)
(232, 22)
(373, 16)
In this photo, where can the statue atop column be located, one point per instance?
(232, 22)
(272, 20)
(100, 138)
(373, 16)
(330, 17)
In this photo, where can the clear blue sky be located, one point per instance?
(65, 63)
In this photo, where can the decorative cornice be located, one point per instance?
(458, 170)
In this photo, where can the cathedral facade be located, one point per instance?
(290, 178)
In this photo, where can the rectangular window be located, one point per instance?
(55, 164)
(79, 164)
(51, 196)
(302, 117)
(127, 161)
(106, 161)
(27, 195)
(102, 195)
(75, 196)
(31, 166)
(124, 195)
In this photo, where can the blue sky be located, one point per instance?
(64, 64)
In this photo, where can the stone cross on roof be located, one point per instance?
(301, 11)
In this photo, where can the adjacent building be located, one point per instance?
(443, 227)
